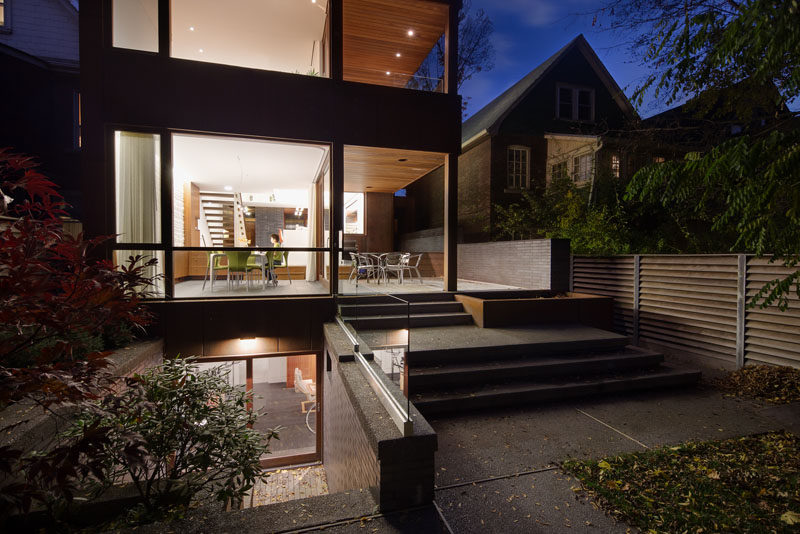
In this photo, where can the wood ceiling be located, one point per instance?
(376, 30)
(379, 170)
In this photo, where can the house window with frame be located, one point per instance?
(518, 167)
(615, 165)
(582, 168)
(559, 171)
(5, 16)
(354, 213)
(575, 103)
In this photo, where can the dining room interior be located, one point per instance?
(271, 199)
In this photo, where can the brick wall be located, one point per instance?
(47, 29)
(474, 199)
(530, 264)
(268, 221)
(350, 462)
(362, 447)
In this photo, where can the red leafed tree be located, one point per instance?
(57, 305)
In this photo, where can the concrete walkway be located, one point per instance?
(497, 472)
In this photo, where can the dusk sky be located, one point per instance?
(527, 32)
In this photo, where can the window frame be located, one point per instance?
(577, 177)
(5, 7)
(576, 91)
(527, 175)
(616, 165)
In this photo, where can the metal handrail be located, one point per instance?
(399, 415)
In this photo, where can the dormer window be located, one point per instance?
(575, 103)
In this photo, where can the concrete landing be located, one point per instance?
(473, 337)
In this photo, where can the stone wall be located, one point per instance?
(529, 264)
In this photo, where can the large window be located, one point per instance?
(135, 24)
(279, 35)
(354, 213)
(559, 170)
(518, 167)
(137, 169)
(575, 103)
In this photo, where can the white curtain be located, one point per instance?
(138, 184)
(311, 263)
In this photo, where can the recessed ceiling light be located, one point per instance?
(313, 1)
(397, 54)
(228, 188)
(191, 28)
(200, 50)
(411, 33)
(388, 73)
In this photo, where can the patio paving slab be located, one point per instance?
(541, 502)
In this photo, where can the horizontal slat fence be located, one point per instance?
(695, 305)
(610, 277)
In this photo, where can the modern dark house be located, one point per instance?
(203, 135)
(553, 122)
(39, 96)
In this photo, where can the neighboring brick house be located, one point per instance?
(39, 101)
(552, 122)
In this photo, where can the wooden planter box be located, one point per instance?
(591, 310)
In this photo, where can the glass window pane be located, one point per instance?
(135, 24)
(123, 258)
(277, 35)
(284, 393)
(137, 164)
(354, 213)
(565, 103)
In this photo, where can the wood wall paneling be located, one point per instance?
(379, 170)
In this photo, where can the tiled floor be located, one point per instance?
(194, 288)
(284, 485)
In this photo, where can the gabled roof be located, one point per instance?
(488, 119)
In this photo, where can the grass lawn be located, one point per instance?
(749, 484)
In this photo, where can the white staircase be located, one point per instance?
(224, 216)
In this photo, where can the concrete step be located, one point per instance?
(403, 321)
(388, 299)
(522, 393)
(557, 346)
(583, 364)
(399, 308)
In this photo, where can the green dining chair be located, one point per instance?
(237, 263)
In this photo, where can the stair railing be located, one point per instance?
(395, 339)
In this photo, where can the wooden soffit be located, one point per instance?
(385, 170)
(375, 31)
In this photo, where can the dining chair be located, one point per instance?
(214, 264)
(363, 266)
(413, 266)
(257, 262)
(395, 263)
(305, 386)
(237, 264)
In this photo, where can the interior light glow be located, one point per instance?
(388, 73)
(191, 28)
(397, 54)
(200, 50)
(228, 188)
(247, 343)
(411, 33)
